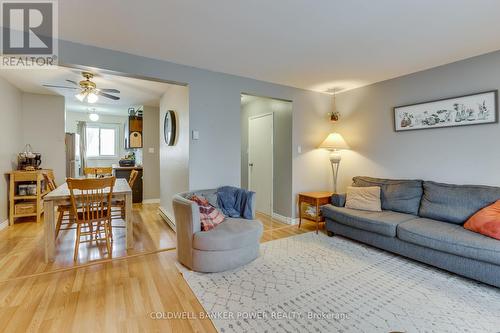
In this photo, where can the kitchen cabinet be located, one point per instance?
(133, 132)
(124, 172)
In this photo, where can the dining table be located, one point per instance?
(61, 196)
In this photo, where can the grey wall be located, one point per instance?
(214, 110)
(43, 128)
(151, 160)
(466, 154)
(174, 160)
(282, 136)
(462, 155)
(10, 136)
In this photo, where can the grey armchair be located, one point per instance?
(233, 243)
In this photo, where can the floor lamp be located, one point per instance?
(334, 143)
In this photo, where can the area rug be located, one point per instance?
(314, 283)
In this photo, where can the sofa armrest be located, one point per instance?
(187, 214)
(187, 223)
(338, 199)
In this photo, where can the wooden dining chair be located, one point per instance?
(121, 203)
(133, 177)
(98, 171)
(49, 178)
(50, 182)
(91, 201)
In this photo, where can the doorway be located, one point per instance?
(260, 161)
(266, 157)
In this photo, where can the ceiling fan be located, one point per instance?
(88, 89)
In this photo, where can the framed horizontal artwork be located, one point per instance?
(474, 109)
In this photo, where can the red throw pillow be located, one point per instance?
(210, 216)
(486, 221)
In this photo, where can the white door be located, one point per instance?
(260, 161)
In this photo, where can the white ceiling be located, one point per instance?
(314, 45)
(133, 92)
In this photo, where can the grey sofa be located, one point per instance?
(423, 220)
(231, 244)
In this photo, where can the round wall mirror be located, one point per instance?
(170, 127)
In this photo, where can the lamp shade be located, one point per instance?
(334, 141)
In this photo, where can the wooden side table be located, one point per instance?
(316, 199)
(36, 200)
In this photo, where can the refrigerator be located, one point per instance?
(72, 141)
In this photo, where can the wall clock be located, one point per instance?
(170, 127)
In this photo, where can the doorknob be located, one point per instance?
(250, 164)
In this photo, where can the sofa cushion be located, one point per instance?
(398, 195)
(486, 221)
(384, 222)
(233, 233)
(455, 203)
(365, 198)
(450, 238)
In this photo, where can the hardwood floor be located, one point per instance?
(118, 295)
(22, 245)
(274, 229)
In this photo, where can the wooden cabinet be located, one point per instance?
(26, 192)
(133, 132)
(135, 124)
(124, 172)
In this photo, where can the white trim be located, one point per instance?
(285, 219)
(167, 217)
(151, 201)
(4, 224)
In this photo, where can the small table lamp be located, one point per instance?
(334, 143)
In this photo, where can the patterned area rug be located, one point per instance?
(314, 283)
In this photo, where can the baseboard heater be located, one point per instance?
(166, 216)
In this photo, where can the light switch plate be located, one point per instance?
(151, 150)
(299, 149)
(196, 135)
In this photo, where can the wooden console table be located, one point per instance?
(316, 199)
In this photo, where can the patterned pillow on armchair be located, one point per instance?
(210, 216)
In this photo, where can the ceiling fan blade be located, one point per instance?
(73, 82)
(55, 86)
(103, 94)
(114, 91)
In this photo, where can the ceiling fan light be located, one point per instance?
(80, 96)
(94, 117)
(92, 97)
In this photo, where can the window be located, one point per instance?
(102, 140)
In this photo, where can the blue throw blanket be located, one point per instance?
(235, 202)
